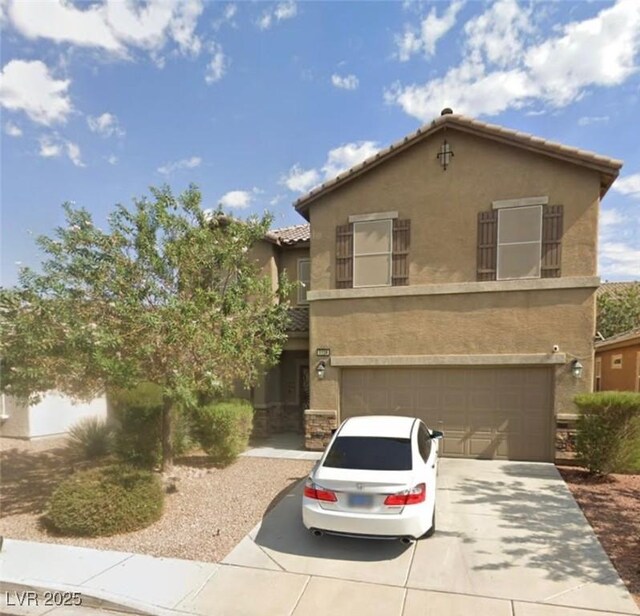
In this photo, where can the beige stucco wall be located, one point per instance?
(264, 253)
(443, 205)
(477, 324)
(289, 258)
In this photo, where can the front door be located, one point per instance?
(303, 393)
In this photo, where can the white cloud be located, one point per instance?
(106, 125)
(619, 259)
(512, 70)
(299, 179)
(280, 12)
(226, 17)
(346, 156)
(239, 199)
(609, 218)
(587, 120)
(628, 185)
(432, 29)
(112, 25)
(184, 163)
(338, 160)
(27, 85)
(217, 66)
(112, 159)
(348, 82)
(13, 130)
(53, 146)
(50, 148)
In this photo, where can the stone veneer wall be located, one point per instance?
(317, 428)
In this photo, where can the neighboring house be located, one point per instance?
(453, 277)
(617, 363)
(52, 416)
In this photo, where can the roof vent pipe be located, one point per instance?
(446, 111)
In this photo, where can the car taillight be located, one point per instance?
(311, 490)
(408, 497)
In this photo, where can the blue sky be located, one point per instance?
(257, 102)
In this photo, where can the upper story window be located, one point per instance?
(519, 242)
(304, 279)
(372, 250)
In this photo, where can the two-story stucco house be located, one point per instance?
(452, 276)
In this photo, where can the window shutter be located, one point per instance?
(487, 245)
(344, 256)
(400, 258)
(551, 241)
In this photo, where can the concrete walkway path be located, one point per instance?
(511, 542)
(288, 446)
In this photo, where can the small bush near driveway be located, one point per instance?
(138, 438)
(105, 501)
(223, 429)
(90, 438)
(608, 431)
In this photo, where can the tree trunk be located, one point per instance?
(167, 434)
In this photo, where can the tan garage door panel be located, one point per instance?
(502, 413)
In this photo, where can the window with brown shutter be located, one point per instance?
(551, 241)
(373, 260)
(487, 245)
(344, 256)
(401, 240)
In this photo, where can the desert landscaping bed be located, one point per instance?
(204, 519)
(612, 506)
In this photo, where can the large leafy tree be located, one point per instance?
(167, 294)
(619, 310)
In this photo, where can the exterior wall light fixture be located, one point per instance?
(321, 368)
(576, 369)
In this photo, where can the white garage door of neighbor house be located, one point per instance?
(501, 413)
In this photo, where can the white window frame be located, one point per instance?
(300, 287)
(372, 254)
(614, 358)
(499, 243)
(598, 374)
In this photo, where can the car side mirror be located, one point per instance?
(436, 434)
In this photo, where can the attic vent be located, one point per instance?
(446, 111)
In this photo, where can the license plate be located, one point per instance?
(360, 500)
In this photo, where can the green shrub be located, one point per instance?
(608, 431)
(106, 501)
(138, 439)
(90, 438)
(223, 429)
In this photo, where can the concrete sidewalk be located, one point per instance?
(132, 583)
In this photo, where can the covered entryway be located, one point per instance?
(485, 412)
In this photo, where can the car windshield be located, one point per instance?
(370, 453)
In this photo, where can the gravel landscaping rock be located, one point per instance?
(208, 514)
(612, 507)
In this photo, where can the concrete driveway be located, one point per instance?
(511, 541)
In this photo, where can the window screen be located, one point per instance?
(304, 278)
(519, 242)
(372, 253)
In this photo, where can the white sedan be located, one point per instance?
(376, 479)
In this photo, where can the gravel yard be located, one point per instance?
(209, 514)
(612, 506)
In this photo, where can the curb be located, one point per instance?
(92, 599)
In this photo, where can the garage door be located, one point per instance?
(502, 413)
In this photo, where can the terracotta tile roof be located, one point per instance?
(631, 334)
(298, 319)
(291, 235)
(608, 167)
(616, 287)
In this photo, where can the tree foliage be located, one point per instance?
(619, 311)
(168, 294)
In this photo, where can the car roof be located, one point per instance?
(393, 426)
